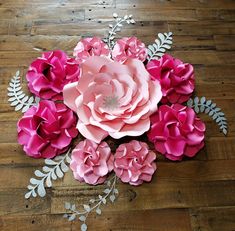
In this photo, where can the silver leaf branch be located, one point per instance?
(159, 47)
(17, 97)
(208, 107)
(52, 170)
(116, 28)
(109, 192)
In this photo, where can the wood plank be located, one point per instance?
(179, 221)
(224, 42)
(202, 28)
(153, 14)
(13, 202)
(139, 4)
(213, 219)
(167, 194)
(199, 171)
(45, 14)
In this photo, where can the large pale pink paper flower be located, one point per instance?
(129, 47)
(48, 74)
(112, 98)
(91, 162)
(134, 163)
(90, 47)
(176, 78)
(47, 130)
(176, 131)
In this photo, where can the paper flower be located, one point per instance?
(112, 98)
(176, 78)
(129, 47)
(90, 47)
(48, 74)
(134, 163)
(47, 130)
(176, 131)
(91, 162)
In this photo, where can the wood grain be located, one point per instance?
(194, 195)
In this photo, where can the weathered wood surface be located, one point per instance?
(194, 195)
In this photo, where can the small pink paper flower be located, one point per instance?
(176, 131)
(134, 163)
(48, 74)
(91, 162)
(47, 130)
(90, 47)
(129, 48)
(176, 78)
(112, 98)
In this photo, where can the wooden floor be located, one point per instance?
(193, 195)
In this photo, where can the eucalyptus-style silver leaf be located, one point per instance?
(207, 106)
(112, 198)
(94, 204)
(116, 27)
(98, 211)
(51, 172)
(157, 49)
(83, 227)
(17, 97)
(82, 218)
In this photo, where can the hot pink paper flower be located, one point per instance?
(134, 163)
(176, 78)
(176, 131)
(48, 74)
(91, 162)
(112, 98)
(90, 47)
(129, 47)
(47, 130)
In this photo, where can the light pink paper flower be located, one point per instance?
(91, 162)
(48, 74)
(129, 47)
(90, 47)
(176, 131)
(112, 98)
(47, 130)
(134, 163)
(176, 78)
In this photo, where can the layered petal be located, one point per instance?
(91, 162)
(134, 163)
(176, 132)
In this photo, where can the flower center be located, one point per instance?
(111, 102)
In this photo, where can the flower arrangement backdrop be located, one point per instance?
(108, 113)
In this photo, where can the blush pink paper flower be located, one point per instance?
(47, 130)
(176, 78)
(129, 47)
(91, 162)
(176, 131)
(112, 98)
(90, 47)
(48, 74)
(134, 163)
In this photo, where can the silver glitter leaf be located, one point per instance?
(18, 99)
(37, 186)
(157, 49)
(202, 105)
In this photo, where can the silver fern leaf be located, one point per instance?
(52, 170)
(210, 108)
(114, 28)
(17, 97)
(157, 49)
(109, 193)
